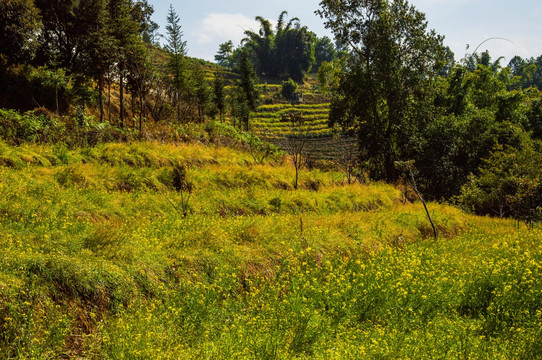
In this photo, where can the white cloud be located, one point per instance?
(223, 27)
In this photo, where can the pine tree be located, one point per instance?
(201, 91)
(247, 94)
(176, 64)
(219, 94)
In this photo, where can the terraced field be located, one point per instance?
(270, 123)
(270, 118)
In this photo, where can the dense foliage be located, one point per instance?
(403, 98)
(383, 89)
(72, 56)
(286, 52)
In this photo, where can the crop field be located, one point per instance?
(270, 123)
(269, 117)
(320, 141)
(98, 262)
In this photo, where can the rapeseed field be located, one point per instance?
(99, 263)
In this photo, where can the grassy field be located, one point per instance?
(97, 262)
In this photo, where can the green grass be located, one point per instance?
(96, 263)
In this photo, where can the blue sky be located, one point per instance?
(208, 23)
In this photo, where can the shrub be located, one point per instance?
(288, 89)
(509, 184)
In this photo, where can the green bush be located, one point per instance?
(288, 89)
(509, 184)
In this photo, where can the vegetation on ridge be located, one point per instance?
(137, 219)
(98, 263)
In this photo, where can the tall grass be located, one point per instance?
(97, 263)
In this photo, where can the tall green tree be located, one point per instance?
(386, 84)
(125, 31)
(202, 92)
(262, 44)
(176, 48)
(246, 94)
(219, 94)
(67, 26)
(324, 51)
(284, 52)
(224, 56)
(295, 52)
(100, 55)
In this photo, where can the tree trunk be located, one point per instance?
(101, 97)
(56, 98)
(121, 100)
(141, 112)
(415, 188)
(133, 109)
(178, 103)
(109, 101)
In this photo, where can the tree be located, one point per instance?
(408, 169)
(516, 65)
(392, 69)
(19, 25)
(534, 116)
(348, 163)
(140, 79)
(263, 46)
(225, 54)
(509, 184)
(286, 52)
(100, 56)
(329, 74)
(56, 79)
(176, 62)
(126, 34)
(68, 26)
(295, 52)
(219, 94)
(202, 93)
(246, 96)
(288, 89)
(295, 143)
(141, 13)
(324, 51)
(183, 186)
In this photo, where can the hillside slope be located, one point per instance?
(270, 122)
(98, 262)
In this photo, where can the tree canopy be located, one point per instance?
(284, 52)
(393, 59)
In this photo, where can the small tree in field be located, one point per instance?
(348, 163)
(183, 186)
(296, 143)
(407, 167)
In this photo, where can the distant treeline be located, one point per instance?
(289, 51)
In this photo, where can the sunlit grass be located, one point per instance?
(97, 263)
